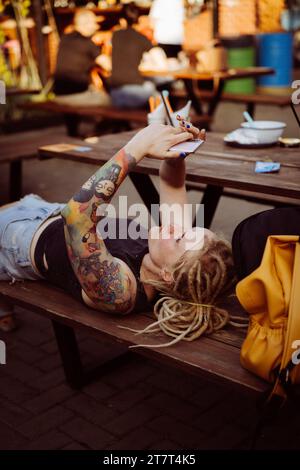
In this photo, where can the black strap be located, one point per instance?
(270, 404)
(268, 408)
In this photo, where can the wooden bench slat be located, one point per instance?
(209, 357)
(138, 116)
(255, 98)
(25, 144)
(276, 100)
(261, 198)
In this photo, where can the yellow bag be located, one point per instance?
(271, 295)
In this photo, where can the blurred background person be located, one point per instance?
(128, 88)
(167, 18)
(77, 55)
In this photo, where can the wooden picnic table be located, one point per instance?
(192, 74)
(189, 76)
(214, 164)
(15, 148)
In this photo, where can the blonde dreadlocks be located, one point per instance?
(188, 308)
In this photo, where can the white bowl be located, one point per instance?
(264, 132)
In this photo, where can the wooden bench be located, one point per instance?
(259, 98)
(135, 116)
(215, 357)
(250, 100)
(23, 145)
(258, 198)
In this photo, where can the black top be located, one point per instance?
(250, 236)
(128, 47)
(76, 57)
(60, 272)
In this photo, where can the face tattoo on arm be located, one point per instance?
(102, 278)
(86, 191)
(106, 186)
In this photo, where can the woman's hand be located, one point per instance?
(188, 126)
(155, 140)
(196, 134)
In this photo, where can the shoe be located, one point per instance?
(7, 323)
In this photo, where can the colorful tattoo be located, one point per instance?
(102, 278)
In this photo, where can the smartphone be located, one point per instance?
(189, 146)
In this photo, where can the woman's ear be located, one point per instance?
(166, 275)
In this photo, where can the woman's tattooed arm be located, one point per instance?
(102, 277)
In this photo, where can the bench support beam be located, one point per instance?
(69, 353)
(210, 199)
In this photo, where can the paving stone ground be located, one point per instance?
(138, 405)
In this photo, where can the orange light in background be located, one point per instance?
(237, 17)
(198, 31)
(269, 15)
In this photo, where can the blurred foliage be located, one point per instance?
(23, 4)
(5, 74)
(24, 8)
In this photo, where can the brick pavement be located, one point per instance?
(139, 405)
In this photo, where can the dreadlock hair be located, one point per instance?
(189, 308)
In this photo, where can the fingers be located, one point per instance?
(170, 155)
(202, 134)
(184, 124)
(187, 125)
(179, 130)
(182, 137)
(193, 130)
(190, 128)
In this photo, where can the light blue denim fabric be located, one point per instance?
(132, 96)
(18, 224)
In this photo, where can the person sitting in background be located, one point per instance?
(128, 89)
(77, 55)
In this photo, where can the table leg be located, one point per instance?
(216, 98)
(72, 122)
(15, 180)
(192, 96)
(196, 101)
(146, 189)
(210, 199)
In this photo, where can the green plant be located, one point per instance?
(5, 73)
(23, 4)
(29, 76)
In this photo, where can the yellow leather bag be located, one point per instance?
(271, 295)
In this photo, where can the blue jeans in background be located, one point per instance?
(132, 96)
